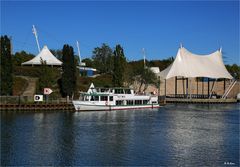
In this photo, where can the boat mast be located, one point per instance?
(36, 36)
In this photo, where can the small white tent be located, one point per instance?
(45, 55)
(189, 65)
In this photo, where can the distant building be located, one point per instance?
(155, 70)
(87, 71)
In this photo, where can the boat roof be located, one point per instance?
(110, 88)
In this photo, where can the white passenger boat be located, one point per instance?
(96, 99)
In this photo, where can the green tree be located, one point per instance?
(6, 66)
(145, 77)
(68, 80)
(89, 62)
(103, 59)
(57, 53)
(234, 70)
(46, 77)
(21, 57)
(119, 66)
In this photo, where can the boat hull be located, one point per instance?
(92, 107)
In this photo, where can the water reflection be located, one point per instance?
(176, 135)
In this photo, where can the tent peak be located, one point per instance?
(181, 45)
(192, 65)
(220, 49)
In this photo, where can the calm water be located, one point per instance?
(175, 135)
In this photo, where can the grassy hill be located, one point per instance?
(83, 83)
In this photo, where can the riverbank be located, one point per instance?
(38, 107)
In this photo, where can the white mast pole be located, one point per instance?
(36, 36)
(144, 57)
(181, 46)
(79, 53)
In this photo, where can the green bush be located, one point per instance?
(100, 81)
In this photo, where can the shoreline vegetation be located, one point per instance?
(114, 70)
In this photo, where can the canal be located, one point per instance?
(174, 135)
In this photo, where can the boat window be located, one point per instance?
(127, 91)
(111, 98)
(119, 102)
(104, 98)
(129, 102)
(119, 91)
(96, 98)
(87, 98)
(138, 101)
(154, 102)
(145, 101)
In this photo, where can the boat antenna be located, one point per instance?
(36, 36)
(79, 53)
(144, 57)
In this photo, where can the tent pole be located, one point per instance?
(165, 88)
(175, 86)
(197, 87)
(187, 88)
(159, 86)
(211, 92)
(224, 85)
(208, 87)
(190, 88)
(183, 83)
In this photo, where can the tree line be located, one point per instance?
(107, 60)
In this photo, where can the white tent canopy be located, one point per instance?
(189, 65)
(45, 55)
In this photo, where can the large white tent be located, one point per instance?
(189, 65)
(45, 55)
